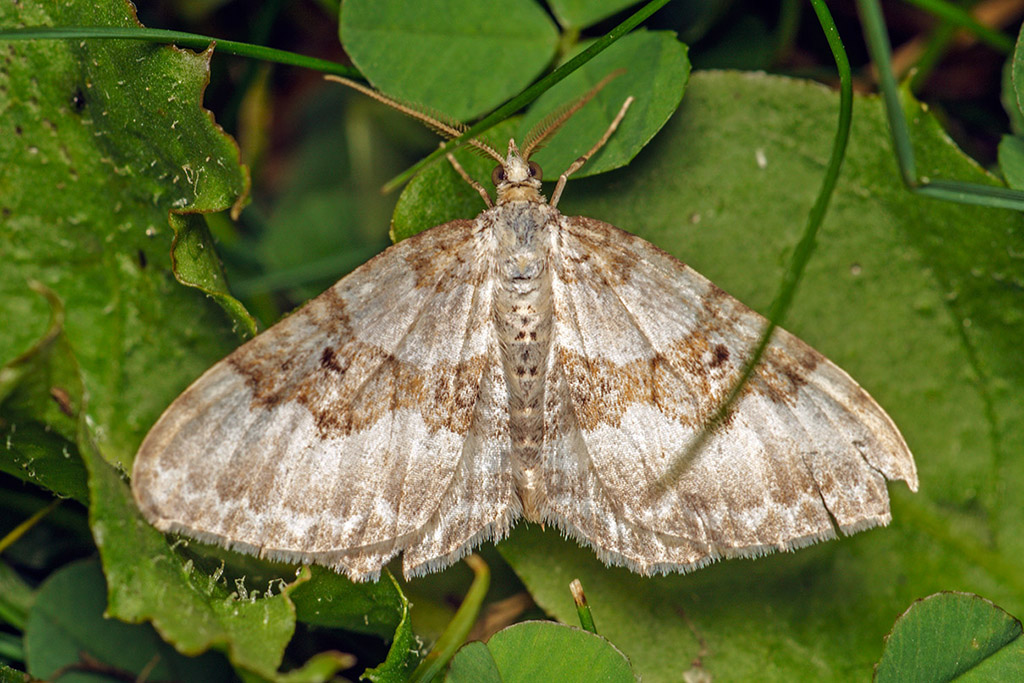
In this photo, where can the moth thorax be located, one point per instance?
(519, 193)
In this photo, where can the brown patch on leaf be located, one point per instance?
(62, 398)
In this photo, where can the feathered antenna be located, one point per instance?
(549, 125)
(439, 123)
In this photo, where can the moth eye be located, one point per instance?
(498, 175)
(535, 171)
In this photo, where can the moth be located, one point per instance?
(524, 364)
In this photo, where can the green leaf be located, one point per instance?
(1011, 161)
(39, 455)
(101, 140)
(67, 621)
(9, 675)
(577, 14)
(919, 300)
(405, 648)
(192, 610)
(329, 599)
(438, 194)
(195, 263)
(541, 651)
(41, 396)
(16, 598)
(947, 635)
(473, 664)
(321, 667)
(1008, 94)
(1016, 66)
(656, 70)
(459, 57)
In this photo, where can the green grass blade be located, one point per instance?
(457, 630)
(960, 17)
(804, 248)
(949, 190)
(192, 41)
(582, 607)
(881, 54)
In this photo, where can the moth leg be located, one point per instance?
(472, 183)
(575, 166)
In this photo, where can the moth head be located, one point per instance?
(517, 178)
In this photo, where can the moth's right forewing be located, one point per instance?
(335, 436)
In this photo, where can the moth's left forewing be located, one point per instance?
(648, 348)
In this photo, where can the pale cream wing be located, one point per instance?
(355, 428)
(644, 350)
